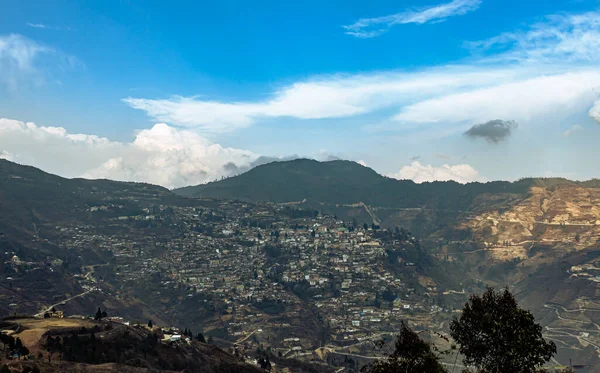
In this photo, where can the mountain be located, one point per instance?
(229, 267)
(347, 182)
(36, 207)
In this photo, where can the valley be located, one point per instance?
(313, 282)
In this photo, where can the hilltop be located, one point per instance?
(347, 182)
(82, 345)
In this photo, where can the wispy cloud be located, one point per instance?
(47, 27)
(372, 27)
(321, 97)
(540, 76)
(560, 38)
(572, 130)
(36, 25)
(25, 62)
(18, 55)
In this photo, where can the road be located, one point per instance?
(566, 331)
(41, 314)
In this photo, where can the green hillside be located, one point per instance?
(345, 182)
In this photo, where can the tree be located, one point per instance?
(200, 337)
(411, 354)
(98, 314)
(496, 335)
(150, 325)
(264, 363)
(23, 351)
(5, 369)
(104, 314)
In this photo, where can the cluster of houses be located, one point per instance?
(260, 263)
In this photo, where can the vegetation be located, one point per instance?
(411, 354)
(496, 335)
(346, 182)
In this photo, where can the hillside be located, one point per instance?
(346, 182)
(276, 275)
(75, 345)
(33, 205)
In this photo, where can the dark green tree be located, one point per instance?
(496, 335)
(98, 314)
(23, 351)
(150, 325)
(411, 354)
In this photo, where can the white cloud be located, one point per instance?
(6, 155)
(362, 163)
(462, 173)
(564, 38)
(572, 130)
(46, 27)
(522, 100)
(371, 27)
(18, 55)
(25, 62)
(36, 25)
(161, 155)
(549, 70)
(565, 50)
(325, 97)
(595, 111)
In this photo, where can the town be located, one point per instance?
(265, 276)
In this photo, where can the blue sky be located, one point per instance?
(394, 84)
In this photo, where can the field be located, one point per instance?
(35, 328)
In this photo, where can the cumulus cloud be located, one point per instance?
(371, 27)
(595, 111)
(493, 131)
(462, 173)
(5, 155)
(161, 155)
(572, 130)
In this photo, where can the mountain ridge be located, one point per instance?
(346, 182)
